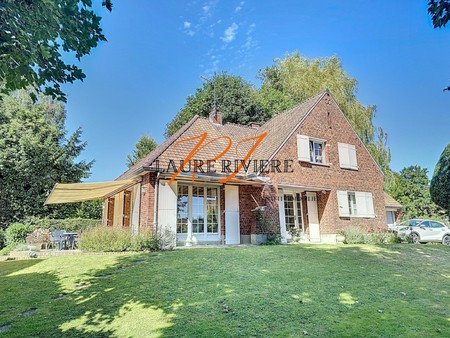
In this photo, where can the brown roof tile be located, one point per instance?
(278, 130)
(147, 160)
(389, 201)
(282, 125)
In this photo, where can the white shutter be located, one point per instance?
(369, 205)
(361, 204)
(282, 216)
(343, 204)
(364, 204)
(347, 156)
(136, 210)
(352, 156)
(167, 212)
(303, 148)
(344, 159)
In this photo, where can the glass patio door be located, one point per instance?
(197, 213)
(293, 212)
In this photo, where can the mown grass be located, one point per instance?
(261, 291)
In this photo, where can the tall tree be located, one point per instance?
(35, 153)
(412, 189)
(439, 11)
(34, 33)
(440, 15)
(143, 147)
(440, 183)
(296, 78)
(231, 95)
(89, 209)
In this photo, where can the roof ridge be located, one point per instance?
(227, 123)
(310, 104)
(295, 106)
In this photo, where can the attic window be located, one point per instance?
(310, 149)
(316, 151)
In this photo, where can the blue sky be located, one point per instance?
(158, 51)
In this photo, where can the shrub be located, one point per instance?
(392, 238)
(144, 241)
(7, 249)
(264, 225)
(273, 239)
(352, 236)
(103, 239)
(359, 235)
(68, 224)
(2, 239)
(17, 233)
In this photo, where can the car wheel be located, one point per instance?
(446, 240)
(415, 238)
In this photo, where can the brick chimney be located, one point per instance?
(215, 117)
(254, 125)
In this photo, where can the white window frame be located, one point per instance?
(298, 212)
(205, 211)
(364, 204)
(304, 151)
(347, 156)
(352, 205)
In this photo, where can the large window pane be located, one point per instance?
(289, 211)
(182, 209)
(198, 209)
(212, 210)
(352, 204)
(298, 198)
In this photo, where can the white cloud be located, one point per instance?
(250, 43)
(239, 7)
(187, 24)
(206, 9)
(230, 33)
(251, 28)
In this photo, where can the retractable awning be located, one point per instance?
(77, 192)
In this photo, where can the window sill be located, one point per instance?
(321, 164)
(360, 216)
(348, 168)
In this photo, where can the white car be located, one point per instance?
(411, 222)
(426, 231)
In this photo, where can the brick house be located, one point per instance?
(310, 175)
(305, 173)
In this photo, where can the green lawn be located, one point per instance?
(265, 291)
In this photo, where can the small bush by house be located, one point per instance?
(103, 239)
(17, 233)
(360, 235)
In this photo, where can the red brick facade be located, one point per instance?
(147, 207)
(328, 123)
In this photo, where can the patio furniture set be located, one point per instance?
(64, 240)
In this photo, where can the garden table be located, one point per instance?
(71, 239)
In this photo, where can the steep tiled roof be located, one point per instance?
(278, 129)
(147, 160)
(282, 125)
(389, 201)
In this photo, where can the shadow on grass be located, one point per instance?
(319, 291)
